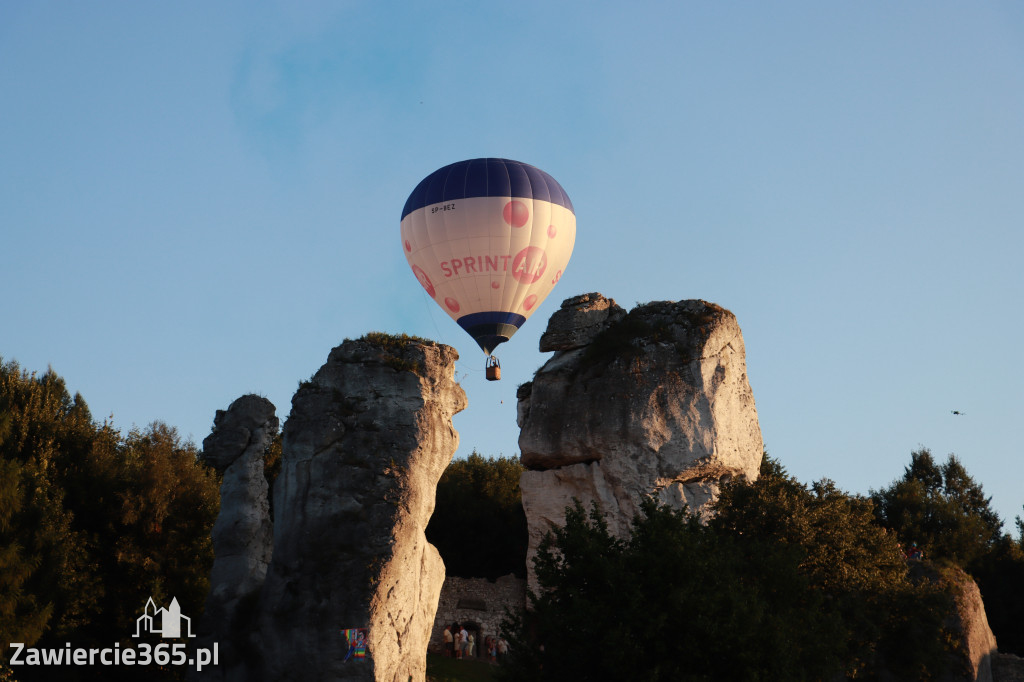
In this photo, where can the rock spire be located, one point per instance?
(655, 401)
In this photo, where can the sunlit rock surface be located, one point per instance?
(366, 442)
(977, 643)
(653, 402)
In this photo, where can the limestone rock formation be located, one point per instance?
(578, 321)
(977, 643)
(242, 534)
(365, 444)
(653, 402)
(973, 656)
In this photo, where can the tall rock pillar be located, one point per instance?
(651, 402)
(242, 534)
(365, 444)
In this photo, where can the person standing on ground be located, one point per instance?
(492, 649)
(448, 641)
(502, 647)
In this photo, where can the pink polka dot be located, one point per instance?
(551, 232)
(424, 280)
(452, 304)
(408, 246)
(516, 214)
(530, 301)
(495, 285)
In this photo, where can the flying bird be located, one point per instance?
(958, 413)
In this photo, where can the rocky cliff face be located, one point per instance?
(653, 402)
(366, 442)
(242, 534)
(977, 643)
(368, 437)
(973, 655)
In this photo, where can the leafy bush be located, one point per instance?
(788, 582)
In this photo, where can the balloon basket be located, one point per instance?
(493, 369)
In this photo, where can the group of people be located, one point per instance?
(495, 646)
(460, 643)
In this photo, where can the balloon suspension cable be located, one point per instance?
(430, 310)
(466, 367)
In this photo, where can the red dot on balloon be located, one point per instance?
(424, 280)
(452, 304)
(530, 301)
(551, 232)
(495, 285)
(408, 246)
(516, 214)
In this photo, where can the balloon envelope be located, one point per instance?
(488, 239)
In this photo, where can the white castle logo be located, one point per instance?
(163, 622)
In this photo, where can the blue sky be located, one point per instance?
(199, 200)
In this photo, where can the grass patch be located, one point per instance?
(441, 669)
(620, 340)
(707, 318)
(645, 324)
(393, 347)
(394, 342)
(626, 338)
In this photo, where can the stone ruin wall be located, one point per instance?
(479, 602)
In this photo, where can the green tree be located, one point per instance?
(93, 523)
(478, 524)
(888, 620)
(41, 428)
(942, 509)
(946, 512)
(787, 582)
(22, 617)
(675, 601)
(149, 529)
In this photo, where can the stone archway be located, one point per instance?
(476, 632)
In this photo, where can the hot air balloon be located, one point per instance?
(488, 239)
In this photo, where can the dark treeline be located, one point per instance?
(478, 525)
(944, 511)
(786, 582)
(93, 522)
